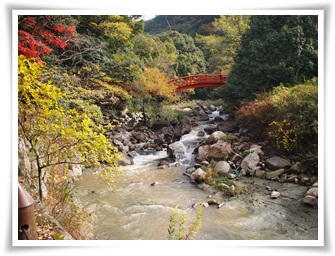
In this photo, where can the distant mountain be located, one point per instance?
(186, 24)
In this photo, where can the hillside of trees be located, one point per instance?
(185, 24)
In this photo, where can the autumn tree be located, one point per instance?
(39, 35)
(55, 133)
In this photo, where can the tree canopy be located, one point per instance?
(276, 49)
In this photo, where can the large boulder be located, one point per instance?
(214, 137)
(140, 136)
(227, 126)
(250, 162)
(126, 159)
(219, 151)
(176, 150)
(277, 162)
(202, 153)
(184, 127)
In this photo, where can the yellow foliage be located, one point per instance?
(56, 134)
(154, 84)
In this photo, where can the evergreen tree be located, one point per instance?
(276, 49)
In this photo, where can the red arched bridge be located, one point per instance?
(198, 81)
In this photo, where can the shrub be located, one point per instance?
(288, 117)
(180, 233)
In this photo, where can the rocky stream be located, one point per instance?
(255, 197)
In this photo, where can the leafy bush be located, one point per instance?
(289, 116)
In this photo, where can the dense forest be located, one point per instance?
(77, 73)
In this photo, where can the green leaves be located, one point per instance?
(276, 49)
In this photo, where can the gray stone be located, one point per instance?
(295, 169)
(202, 153)
(205, 163)
(311, 200)
(222, 167)
(250, 162)
(275, 194)
(256, 148)
(214, 137)
(176, 149)
(184, 127)
(313, 191)
(276, 162)
(125, 160)
(198, 175)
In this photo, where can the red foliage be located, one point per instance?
(30, 47)
(35, 39)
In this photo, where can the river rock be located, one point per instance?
(250, 162)
(184, 127)
(140, 136)
(275, 194)
(219, 151)
(167, 130)
(202, 153)
(205, 163)
(218, 119)
(212, 107)
(313, 191)
(259, 173)
(277, 162)
(213, 202)
(201, 133)
(210, 130)
(176, 149)
(222, 167)
(295, 169)
(256, 148)
(311, 200)
(125, 160)
(163, 163)
(198, 175)
(158, 125)
(274, 174)
(214, 137)
(227, 126)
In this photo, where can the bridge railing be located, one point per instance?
(199, 79)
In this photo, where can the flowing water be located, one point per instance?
(140, 205)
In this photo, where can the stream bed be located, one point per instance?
(140, 205)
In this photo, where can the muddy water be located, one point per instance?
(138, 209)
(140, 205)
